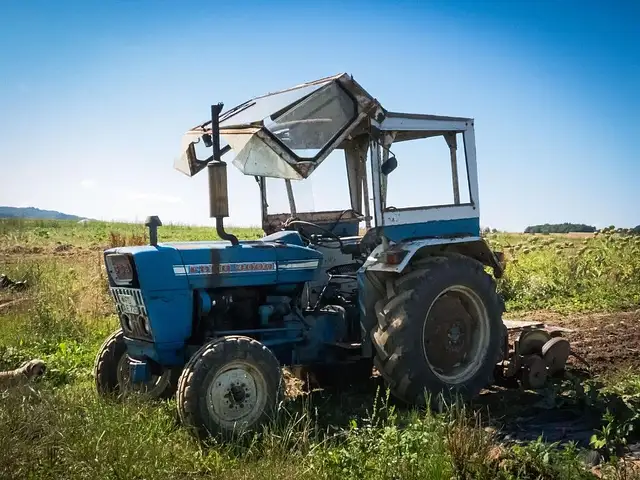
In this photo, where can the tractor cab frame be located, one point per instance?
(288, 134)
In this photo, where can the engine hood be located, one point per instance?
(213, 264)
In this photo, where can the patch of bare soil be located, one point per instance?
(24, 250)
(10, 255)
(64, 247)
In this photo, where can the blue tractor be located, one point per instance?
(213, 322)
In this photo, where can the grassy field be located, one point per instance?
(60, 429)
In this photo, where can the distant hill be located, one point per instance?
(32, 212)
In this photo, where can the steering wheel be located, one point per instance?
(328, 232)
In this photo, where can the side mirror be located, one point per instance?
(389, 166)
(218, 195)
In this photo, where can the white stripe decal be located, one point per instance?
(299, 265)
(224, 268)
(245, 267)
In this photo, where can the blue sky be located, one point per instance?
(95, 97)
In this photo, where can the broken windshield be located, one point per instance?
(284, 134)
(257, 109)
(313, 122)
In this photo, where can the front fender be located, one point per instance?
(396, 258)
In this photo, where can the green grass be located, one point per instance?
(46, 233)
(70, 433)
(61, 429)
(552, 272)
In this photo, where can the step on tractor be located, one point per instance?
(413, 299)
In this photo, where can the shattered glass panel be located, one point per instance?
(310, 125)
(254, 157)
(257, 109)
(191, 165)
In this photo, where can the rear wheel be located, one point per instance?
(230, 386)
(441, 332)
(111, 372)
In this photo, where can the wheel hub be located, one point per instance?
(455, 334)
(237, 393)
(233, 395)
(452, 333)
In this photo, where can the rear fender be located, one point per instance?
(397, 257)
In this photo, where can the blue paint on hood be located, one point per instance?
(214, 264)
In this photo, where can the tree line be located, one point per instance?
(560, 228)
(575, 227)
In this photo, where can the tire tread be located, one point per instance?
(396, 326)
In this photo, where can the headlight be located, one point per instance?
(119, 268)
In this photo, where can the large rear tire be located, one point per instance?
(440, 332)
(111, 373)
(230, 386)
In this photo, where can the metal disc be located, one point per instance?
(534, 374)
(555, 353)
(532, 341)
(456, 334)
(237, 395)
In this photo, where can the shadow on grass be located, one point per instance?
(568, 411)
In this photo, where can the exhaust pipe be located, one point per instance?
(152, 223)
(217, 169)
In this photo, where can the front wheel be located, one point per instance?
(111, 372)
(441, 332)
(230, 386)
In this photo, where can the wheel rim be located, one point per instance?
(236, 396)
(456, 334)
(154, 387)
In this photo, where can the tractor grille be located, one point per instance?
(132, 312)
